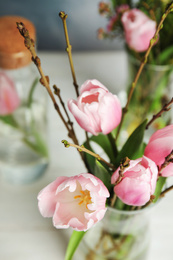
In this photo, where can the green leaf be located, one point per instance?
(133, 144)
(105, 143)
(31, 92)
(89, 159)
(38, 144)
(140, 152)
(75, 239)
(41, 145)
(119, 204)
(103, 174)
(9, 119)
(165, 55)
(158, 94)
(159, 186)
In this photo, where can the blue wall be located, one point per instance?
(83, 22)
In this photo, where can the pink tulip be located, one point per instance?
(77, 202)
(112, 23)
(9, 99)
(139, 29)
(160, 145)
(122, 8)
(138, 182)
(96, 109)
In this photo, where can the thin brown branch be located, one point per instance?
(69, 50)
(83, 149)
(168, 160)
(165, 108)
(152, 43)
(162, 194)
(123, 165)
(166, 191)
(57, 93)
(29, 43)
(113, 200)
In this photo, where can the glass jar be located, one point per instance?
(152, 92)
(120, 235)
(23, 134)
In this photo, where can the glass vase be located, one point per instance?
(152, 91)
(120, 235)
(23, 134)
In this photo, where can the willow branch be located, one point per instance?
(30, 45)
(83, 149)
(152, 43)
(165, 108)
(68, 49)
(63, 17)
(168, 160)
(57, 93)
(162, 194)
(166, 191)
(123, 165)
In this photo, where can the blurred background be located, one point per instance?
(83, 22)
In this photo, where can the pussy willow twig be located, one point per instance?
(165, 108)
(57, 92)
(63, 17)
(68, 49)
(123, 165)
(83, 149)
(29, 43)
(152, 43)
(168, 160)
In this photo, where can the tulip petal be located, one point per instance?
(159, 147)
(81, 118)
(137, 183)
(96, 109)
(68, 201)
(46, 198)
(133, 192)
(9, 99)
(91, 84)
(109, 112)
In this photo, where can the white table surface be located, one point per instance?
(24, 233)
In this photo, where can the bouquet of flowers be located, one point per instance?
(136, 23)
(134, 174)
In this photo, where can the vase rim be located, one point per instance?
(155, 67)
(132, 212)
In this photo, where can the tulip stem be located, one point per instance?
(165, 108)
(83, 149)
(63, 17)
(112, 143)
(113, 200)
(152, 43)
